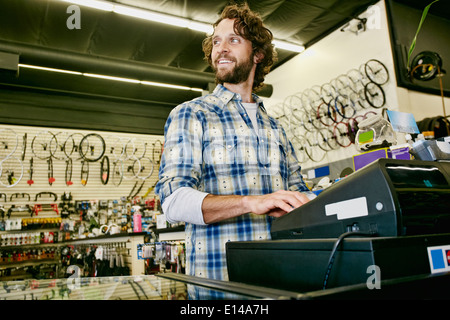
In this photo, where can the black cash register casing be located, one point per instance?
(407, 208)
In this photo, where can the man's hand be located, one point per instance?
(275, 204)
(217, 208)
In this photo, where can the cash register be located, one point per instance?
(386, 215)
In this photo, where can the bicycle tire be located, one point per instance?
(372, 68)
(89, 150)
(41, 144)
(374, 95)
(104, 170)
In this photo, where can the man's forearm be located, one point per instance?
(216, 208)
(221, 207)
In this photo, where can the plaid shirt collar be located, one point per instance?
(226, 96)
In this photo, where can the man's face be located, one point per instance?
(232, 55)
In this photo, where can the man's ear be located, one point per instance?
(258, 57)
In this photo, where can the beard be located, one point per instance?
(237, 75)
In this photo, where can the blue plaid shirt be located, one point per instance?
(212, 146)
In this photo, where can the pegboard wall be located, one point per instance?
(37, 162)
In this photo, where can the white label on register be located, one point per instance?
(348, 209)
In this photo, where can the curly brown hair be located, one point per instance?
(248, 25)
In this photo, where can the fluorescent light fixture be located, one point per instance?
(288, 46)
(101, 5)
(200, 26)
(100, 76)
(151, 16)
(166, 85)
(106, 77)
(48, 69)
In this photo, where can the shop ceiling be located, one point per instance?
(112, 44)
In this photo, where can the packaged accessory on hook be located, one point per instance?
(374, 132)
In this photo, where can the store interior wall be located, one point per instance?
(338, 53)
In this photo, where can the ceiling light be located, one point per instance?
(200, 26)
(49, 69)
(101, 5)
(288, 46)
(106, 77)
(151, 16)
(166, 85)
(92, 75)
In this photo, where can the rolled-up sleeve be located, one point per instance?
(182, 156)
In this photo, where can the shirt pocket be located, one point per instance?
(277, 157)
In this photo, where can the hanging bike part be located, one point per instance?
(92, 147)
(11, 170)
(104, 170)
(24, 146)
(8, 142)
(41, 145)
(157, 151)
(117, 173)
(30, 172)
(68, 173)
(84, 172)
(135, 191)
(51, 179)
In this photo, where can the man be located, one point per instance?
(227, 167)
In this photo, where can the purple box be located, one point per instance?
(363, 159)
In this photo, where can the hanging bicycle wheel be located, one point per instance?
(92, 147)
(8, 142)
(117, 172)
(352, 127)
(374, 95)
(299, 142)
(312, 149)
(376, 71)
(345, 107)
(42, 146)
(11, 170)
(131, 168)
(340, 131)
(309, 120)
(57, 145)
(326, 139)
(104, 170)
(72, 145)
(327, 92)
(135, 147)
(145, 167)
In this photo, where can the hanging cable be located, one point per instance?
(336, 246)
